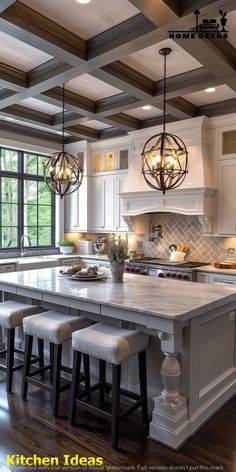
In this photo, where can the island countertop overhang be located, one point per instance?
(171, 299)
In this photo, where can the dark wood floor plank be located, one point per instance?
(28, 428)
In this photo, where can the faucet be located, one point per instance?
(22, 252)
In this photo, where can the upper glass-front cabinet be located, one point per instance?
(110, 160)
(227, 143)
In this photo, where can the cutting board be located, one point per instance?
(225, 265)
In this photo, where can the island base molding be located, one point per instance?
(173, 427)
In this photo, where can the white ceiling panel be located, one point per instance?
(85, 20)
(20, 55)
(223, 92)
(96, 125)
(144, 114)
(149, 62)
(91, 87)
(38, 105)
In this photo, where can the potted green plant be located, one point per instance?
(66, 246)
(117, 253)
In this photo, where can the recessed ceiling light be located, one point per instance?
(83, 1)
(147, 107)
(210, 90)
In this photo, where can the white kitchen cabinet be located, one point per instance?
(76, 209)
(223, 279)
(120, 222)
(203, 277)
(105, 203)
(226, 214)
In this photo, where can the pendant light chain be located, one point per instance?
(63, 118)
(63, 172)
(164, 100)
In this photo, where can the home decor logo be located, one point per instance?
(207, 29)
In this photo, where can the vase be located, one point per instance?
(66, 249)
(117, 271)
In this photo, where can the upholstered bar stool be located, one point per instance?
(55, 327)
(12, 314)
(114, 345)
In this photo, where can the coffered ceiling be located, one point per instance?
(107, 53)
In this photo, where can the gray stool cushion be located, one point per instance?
(53, 326)
(109, 342)
(12, 313)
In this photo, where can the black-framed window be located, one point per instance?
(26, 205)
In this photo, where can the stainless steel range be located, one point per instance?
(164, 268)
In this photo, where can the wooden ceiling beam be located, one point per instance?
(28, 132)
(126, 79)
(126, 122)
(180, 108)
(219, 58)
(157, 121)
(27, 115)
(162, 14)
(29, 26)
(83, 132)
(73, 101)
(110, 133)
(12, 78)
(219, 108)
(189, 6)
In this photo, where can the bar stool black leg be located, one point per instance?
(74, 386)
(26, 366)
(10, 358)
(143, 388)
(41, 354)
(87, 373)
(116, 374)
(51, 347)
(102, 380)
(56, 378)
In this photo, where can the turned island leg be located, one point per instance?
(169, 417)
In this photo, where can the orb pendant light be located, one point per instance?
(63, 172)
(164, 156)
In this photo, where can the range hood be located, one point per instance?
(196, 196)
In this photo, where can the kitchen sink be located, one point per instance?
(37, 262)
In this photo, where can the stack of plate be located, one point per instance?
(88, 276)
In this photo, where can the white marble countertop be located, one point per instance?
(171, 299)
(16, 260)
(211, 268)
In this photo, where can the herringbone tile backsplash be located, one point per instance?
(186, 229)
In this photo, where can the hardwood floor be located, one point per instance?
(28, 428)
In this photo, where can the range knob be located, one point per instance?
(186, 277)
(131, 270)
(168, 274)
(144, 272)
(127, 269)
(174, 276)
(161, 275)
(136, 270)
(179, 276)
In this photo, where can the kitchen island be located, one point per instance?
(192, 329)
